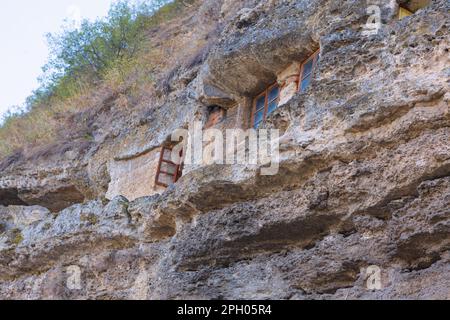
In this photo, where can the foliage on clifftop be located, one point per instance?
(106, 54)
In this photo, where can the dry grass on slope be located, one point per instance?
(45, 124)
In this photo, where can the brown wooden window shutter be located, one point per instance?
(168, 172)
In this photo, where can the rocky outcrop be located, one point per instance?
(53, 188)
(364, 180)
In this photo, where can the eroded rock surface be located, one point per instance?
(364, 174)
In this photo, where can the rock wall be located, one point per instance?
(134, 178)
(364, 181)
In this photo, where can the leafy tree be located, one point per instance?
(81, 57)
(96, 46)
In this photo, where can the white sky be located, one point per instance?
(23, 52)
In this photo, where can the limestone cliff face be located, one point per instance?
(364, 181)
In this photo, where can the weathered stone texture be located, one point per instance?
(134, 178)
(364, 174)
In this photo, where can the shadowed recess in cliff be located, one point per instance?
(55, 200)
(10, 197)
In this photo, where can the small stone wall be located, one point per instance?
(134, 178)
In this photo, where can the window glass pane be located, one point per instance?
(272, 106)
(167, 155)
(307, 68)
(165, 179)
(259, 116)
(305, 83)
(167, 167)
(273, 94)
(260, 103)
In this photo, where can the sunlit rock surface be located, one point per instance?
(364, 173)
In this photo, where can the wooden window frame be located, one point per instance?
(315, 58)
(178, 168)
(266, 103)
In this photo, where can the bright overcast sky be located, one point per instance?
(23, 25)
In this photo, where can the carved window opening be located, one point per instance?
(264, 104)
(216, 115)
(307, 70)
(168, 172)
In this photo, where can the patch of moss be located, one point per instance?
(16, 236)
(88, 137)
(90, 218)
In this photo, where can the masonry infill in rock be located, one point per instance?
(146, 174)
